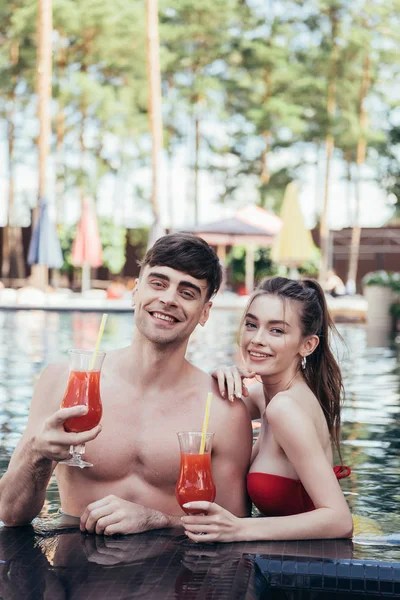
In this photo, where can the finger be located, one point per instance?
(103, 522)
(229, 385)
(237, 383)
(246, 374)
(66, 413)
(200, 528)
(96, 505)
(195, 520)
(74, 439)
(201, 505)
(114, 529)
(198, 537)
(94, 516)
(221, 383)
(245, 391)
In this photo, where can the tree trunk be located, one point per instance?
(44, 70)
(44, 89)
(13, 263)
(330, 145)
(323, 227)
(154, 98)
(265, 173)
(60, 135)
(349, 180)
(8, 237)
(360, 159)
(170, 184)
(196, 169)
(59, 165)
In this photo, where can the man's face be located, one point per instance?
(169, 304)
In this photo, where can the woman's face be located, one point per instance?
(271, 337)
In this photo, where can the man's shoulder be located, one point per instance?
(54, 371)
(53, 378)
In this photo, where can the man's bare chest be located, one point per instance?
(141, 442)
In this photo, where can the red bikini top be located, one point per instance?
(277, 496)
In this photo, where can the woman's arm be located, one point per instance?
(296, 434)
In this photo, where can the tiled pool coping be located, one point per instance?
(165, 565)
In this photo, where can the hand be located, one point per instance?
(112, 515)
(230, 381)
(109, 551)
(218, 525)
(53, 442)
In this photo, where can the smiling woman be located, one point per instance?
(284, 340)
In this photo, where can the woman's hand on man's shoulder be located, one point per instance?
(231, 381)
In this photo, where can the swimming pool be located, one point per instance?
(371, 417)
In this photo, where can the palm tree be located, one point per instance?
(154, 100)
(44, 72)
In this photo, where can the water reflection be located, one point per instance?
(156, 565)
(371, 424)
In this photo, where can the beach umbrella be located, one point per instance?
(87, 249)
(44, 247)
(293, 245)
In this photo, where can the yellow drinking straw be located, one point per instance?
(99, 336)
(205, 422)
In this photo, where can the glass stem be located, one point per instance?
(79, 449)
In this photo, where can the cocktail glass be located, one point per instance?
(195, 480)
(83, 389)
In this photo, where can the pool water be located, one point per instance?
(371, 416)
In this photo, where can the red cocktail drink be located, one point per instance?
(195, 480)
(83, 388)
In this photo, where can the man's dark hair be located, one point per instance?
(187, 253)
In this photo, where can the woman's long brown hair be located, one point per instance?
(322, 373)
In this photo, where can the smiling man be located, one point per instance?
(149, 393)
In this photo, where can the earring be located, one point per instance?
(303, 362)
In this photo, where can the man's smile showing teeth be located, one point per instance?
(167, 318)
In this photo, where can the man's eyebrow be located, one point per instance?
(183, 283)
(158, 275)
(190, 285)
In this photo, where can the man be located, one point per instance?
(149, 392)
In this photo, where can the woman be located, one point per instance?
(284, 339)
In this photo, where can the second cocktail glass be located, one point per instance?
(83, 389)
(195, 480)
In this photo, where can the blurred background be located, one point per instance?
(165, 116)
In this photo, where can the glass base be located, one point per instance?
(76, 461)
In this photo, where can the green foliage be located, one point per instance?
(138, 238)
(383, 278)
(66, 235)
(113, 239)
(236, 261)
(395, 310)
